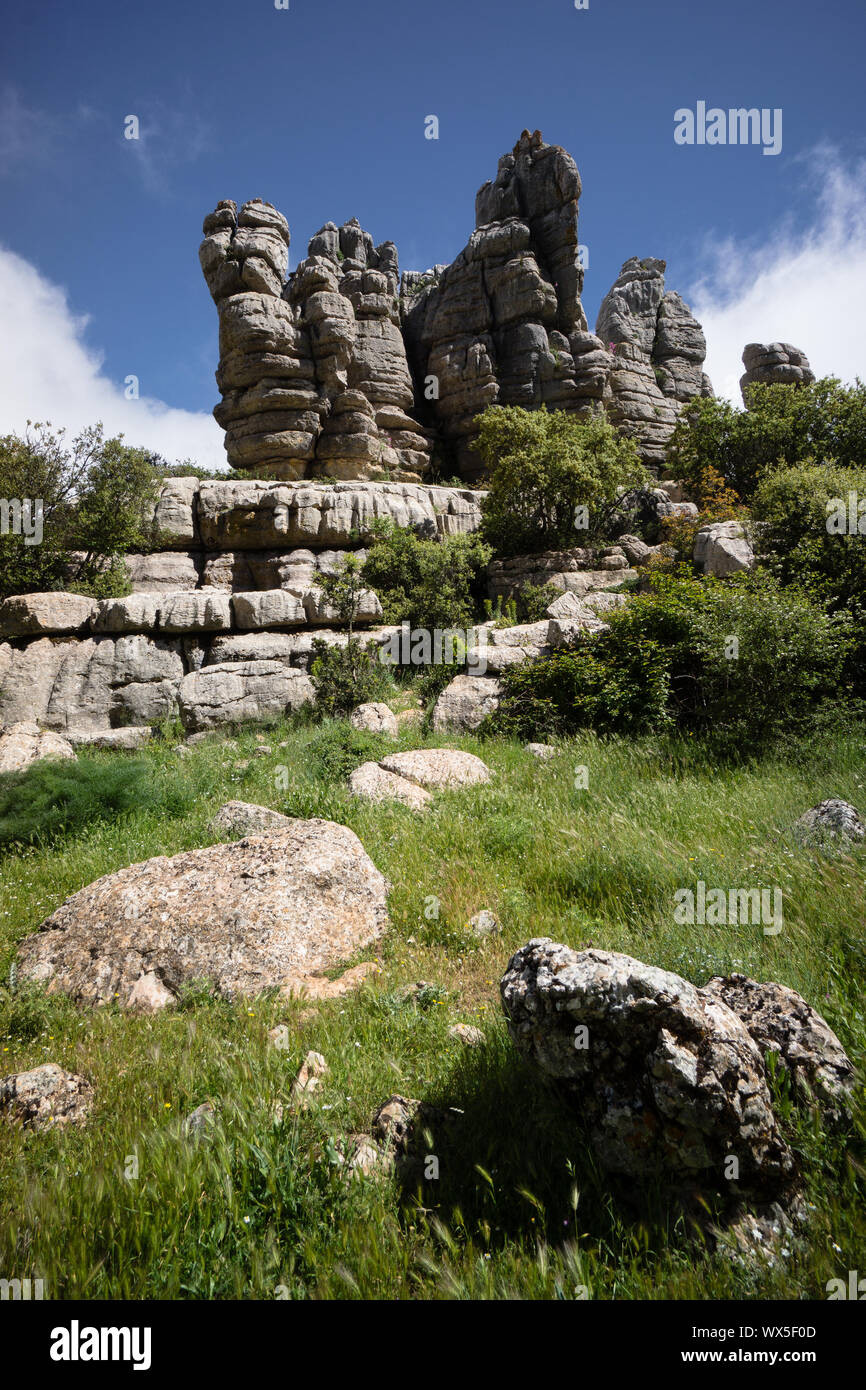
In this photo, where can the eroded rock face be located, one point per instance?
(25, 743)
(313, 369)
(780, 1021)
(658, 350)
(247, 916)
(46, 1097)
(241, 690)
(774, 364)
(345, 371)
(667, 1076)
(503, 324)
(39, 615)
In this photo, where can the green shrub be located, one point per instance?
(97, 500)
(668, 660)
(53, 798)
(794, 507)
(346, 676)
(337, 749)
(543, 465)
(430, 584)
(591, 686)
(784, 424)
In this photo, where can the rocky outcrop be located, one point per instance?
(342, 370)
(313, 369)
(774, 364)
(670, 1079)
(25, 743)
(503, 324)
(657, 349)
(45, 1098)
(248, 916)
(247, 605)
(722, 548)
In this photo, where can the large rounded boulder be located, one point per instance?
(254, 915)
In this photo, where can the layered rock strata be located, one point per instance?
(343, 369)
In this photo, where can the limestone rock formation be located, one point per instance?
(40, 615)
(658, 350)
(503, 324)
(45, 1098)
(345, 371)
(667, 1076)
(313, 369)
(774, 364)
(25, 743)
(723, 547)
(249, 916)
(246, 592)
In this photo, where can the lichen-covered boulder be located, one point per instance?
(667, 1077)
(247, 916)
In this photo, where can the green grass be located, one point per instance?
(520, 1209)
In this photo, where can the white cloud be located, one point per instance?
(48, 373)
(806, 286)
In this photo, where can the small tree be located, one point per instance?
(97, 496)
(426, 583)
(550, 471)
(344, 676)
(783, 425)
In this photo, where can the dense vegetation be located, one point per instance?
(521, 1209)
(96, 499)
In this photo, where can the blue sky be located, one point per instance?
(320, 109)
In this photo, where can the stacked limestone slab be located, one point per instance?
(658, 350)
(774, 364)
(340, 370)
(313, 369)
(221, 624)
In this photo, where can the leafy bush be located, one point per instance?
(668, 660)
(97, 499)
(430, 584)
(795, 506)
(595, 685)
(528, 605)
(338, 749)
(543, 465)
(716, 501)
(784, 424)
(53, 798)
(345, 676)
